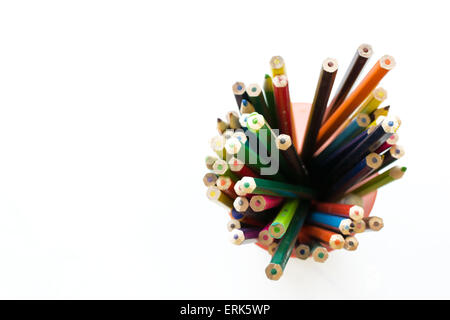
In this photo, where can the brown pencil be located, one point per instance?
(362, 55)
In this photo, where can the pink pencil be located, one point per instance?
(262, 202)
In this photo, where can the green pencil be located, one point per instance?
(257, 124)
(281, 222)
(383, 179)
(256, 97)
(221, 168)
(270, 98)
(275, 188)
(279, 260)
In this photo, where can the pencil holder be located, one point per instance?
(300, 179)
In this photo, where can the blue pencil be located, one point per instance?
(335, 223)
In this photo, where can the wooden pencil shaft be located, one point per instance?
(221, 126)
(318, 106)
(233, 120)
(362, 55)
(246, 107)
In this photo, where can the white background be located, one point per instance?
(106, 109)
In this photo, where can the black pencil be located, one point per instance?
(318, 107)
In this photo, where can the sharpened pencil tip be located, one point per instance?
(403, 169)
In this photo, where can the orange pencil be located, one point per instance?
(334, 240)
(365, 87)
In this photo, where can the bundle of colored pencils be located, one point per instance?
(300, 189)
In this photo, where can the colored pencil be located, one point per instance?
(334, 240)
(387, 144)
(215, 195)
(287, 149)
(240, 169)
(248, 219)
(323, 90)
(277, 65)
(281, 222)
(318, 252)
(275, 188)
(360, 226)
(394, 153)
(351, 243)
(383, 111)
(218, 145)
(279, 260)
(260, 203)
(362, 55)
(283, 103)
(376, 182)
(270, 99)
(264, 236)
(226, 185)
(356, 97)
(235, 224)
(257, 124)
(353, 212)
(371, 103)
(302, 251)
(256, 97)
(220, 167)
(244, 235)
(331, 222)
(233, 120)
(272, 248)
(239, 92)
(222, 126)
(241, 204)
(374, 223)
(209, 179)
(209, 161)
